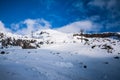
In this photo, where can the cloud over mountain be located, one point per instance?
(3, 28)
(105, 13)
(29, 25)
(74, 27)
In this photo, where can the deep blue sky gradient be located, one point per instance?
(61, 12)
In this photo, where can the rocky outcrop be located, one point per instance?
(99, 35)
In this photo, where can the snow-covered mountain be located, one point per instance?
(48, 36)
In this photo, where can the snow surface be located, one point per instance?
(59, 62)
(66, 59)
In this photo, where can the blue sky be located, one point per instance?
(104, 14)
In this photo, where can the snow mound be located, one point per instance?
(51, 35)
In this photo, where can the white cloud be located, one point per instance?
(31, 25)
(99, 3)
(77, 26)
(15, 26)
(109, 4)
(27, 26)
(3, 28)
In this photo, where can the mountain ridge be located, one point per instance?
(48, 36)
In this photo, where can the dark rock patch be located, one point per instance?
(116, 57)
(106, 62)
(84, 66)
(2, 52)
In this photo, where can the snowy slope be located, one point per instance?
(59, 62)
(52, 35)
(67, 58)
